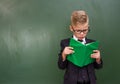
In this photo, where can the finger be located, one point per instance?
(71, 48)
(93, 56)
(95, 51)
(70, 52)
(73, 51)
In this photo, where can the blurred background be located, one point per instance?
(31, 31)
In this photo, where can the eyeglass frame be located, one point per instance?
(80, 31)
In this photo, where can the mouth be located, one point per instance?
(80, 38)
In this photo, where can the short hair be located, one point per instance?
(79, 17)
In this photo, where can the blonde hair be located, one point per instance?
(79, 17)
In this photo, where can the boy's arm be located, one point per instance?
(98, 65)
(98, 62)
(62, 64)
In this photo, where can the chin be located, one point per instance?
(80, 38)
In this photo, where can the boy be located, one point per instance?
(75, 74)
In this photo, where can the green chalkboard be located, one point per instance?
(30, 34)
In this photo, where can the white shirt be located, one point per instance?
(83, 42)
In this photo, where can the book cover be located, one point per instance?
(81, 56)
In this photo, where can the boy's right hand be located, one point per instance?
(67, 51)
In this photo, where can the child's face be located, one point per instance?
(80, 30)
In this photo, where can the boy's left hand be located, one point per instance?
(96, 55)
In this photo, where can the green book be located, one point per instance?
(81, 56)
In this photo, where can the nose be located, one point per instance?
(81, 33)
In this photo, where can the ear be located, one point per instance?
(71, 28)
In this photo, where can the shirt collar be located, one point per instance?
(84, 41)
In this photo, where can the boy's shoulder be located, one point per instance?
(66, 39)
(90, 39)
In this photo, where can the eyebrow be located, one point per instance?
(81, 27)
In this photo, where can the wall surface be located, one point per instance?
(31, 30)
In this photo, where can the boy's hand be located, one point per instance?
(96, 55)
(67, 51)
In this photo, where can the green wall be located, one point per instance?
(31, 30)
